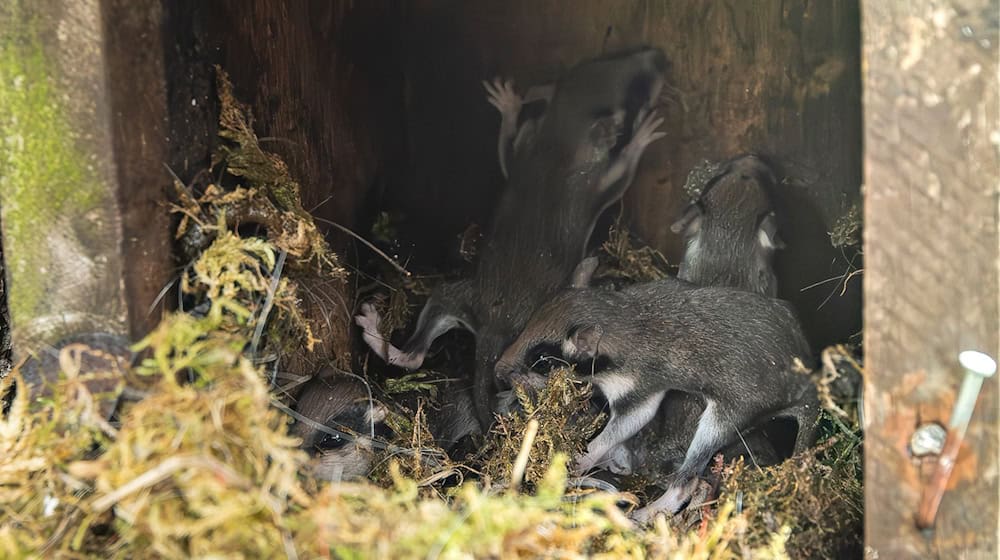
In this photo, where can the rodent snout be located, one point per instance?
(504, 370)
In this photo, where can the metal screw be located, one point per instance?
(978, 367)
(928, 440)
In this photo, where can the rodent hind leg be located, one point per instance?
(806, 415)
(622, 425)
(712, 434)
(368, 320)
(445, 310)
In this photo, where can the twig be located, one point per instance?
(371, 398)
(521, 463)
(269, 302)
(325, 200)
(368, 244)
(312, 423)
(749, 451)
(161, 295)
(161, 472)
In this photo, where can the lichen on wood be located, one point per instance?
(52, 198)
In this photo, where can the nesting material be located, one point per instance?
(564, 425)
(630, 261)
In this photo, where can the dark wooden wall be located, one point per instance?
(931, 282)
(777, 78)
(325, 84)
(85, 230)
(137, 91)
(323, 79)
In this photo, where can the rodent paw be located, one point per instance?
(368, 319)
(501, 95)
(646, 132)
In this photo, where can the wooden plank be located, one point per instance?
(81, 149)
(931, 277)
(137, 94)
(61, 223)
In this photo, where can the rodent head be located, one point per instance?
(564, 332)
(731, 230)
(342, 420)
(541, 338)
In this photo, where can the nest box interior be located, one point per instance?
(379, 110)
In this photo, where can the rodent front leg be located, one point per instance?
(501, 95)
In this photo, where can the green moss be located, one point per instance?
(43, 175)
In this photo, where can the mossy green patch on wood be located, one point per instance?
(44, 177)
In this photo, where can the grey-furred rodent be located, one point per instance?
(731, 236)
(581, 157)
(343, 406)
(730, 231)
(734, 348)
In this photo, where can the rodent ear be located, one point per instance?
(690, 222)
(377, 413)
(767, 233)
(586, 340)
(584, 272)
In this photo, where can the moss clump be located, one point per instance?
(306, 337)
(846, 231)
(272, 199)
(818, 495)
(565, 424)
(699, 176)
(243, 155)
(41, 503)
(629, 260)
(206, 468)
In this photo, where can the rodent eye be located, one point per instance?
(545, 364)
(543, 358)
(330, 442)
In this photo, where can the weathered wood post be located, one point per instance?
(931, 278)
(82, 114)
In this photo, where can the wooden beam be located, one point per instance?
(931, 277)
(80, 99)
(134, 57)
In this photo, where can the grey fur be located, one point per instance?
(342, 403)
(730, 231)
(582, 157)
(456, 419)
(731, 238)
(734, 348)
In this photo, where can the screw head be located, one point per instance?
(978, 363)
(928, 440)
